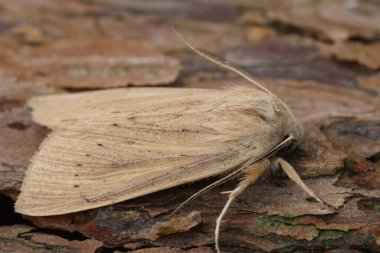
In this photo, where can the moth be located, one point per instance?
(114, 145)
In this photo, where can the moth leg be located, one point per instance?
(251, 174)
(293, 175)
(230, 176)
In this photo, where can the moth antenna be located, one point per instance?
(224, 65)
(293, 175)
(207, 188)
(252, 173)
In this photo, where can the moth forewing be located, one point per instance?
(143, 141)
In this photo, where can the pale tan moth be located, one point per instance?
(114, 145)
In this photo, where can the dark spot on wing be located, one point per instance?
(86, 199)
(249, 145)
(100, 144)
(115, 125)
(18, 126)
(79, 164)
(76, 186)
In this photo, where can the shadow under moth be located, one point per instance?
(114, 145)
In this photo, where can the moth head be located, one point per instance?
(291, 127)
(297, 132)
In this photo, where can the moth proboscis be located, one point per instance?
(114, 145)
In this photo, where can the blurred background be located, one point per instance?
(321, 57)
(90, 44)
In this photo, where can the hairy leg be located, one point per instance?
(251, 174)
(293, 175)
